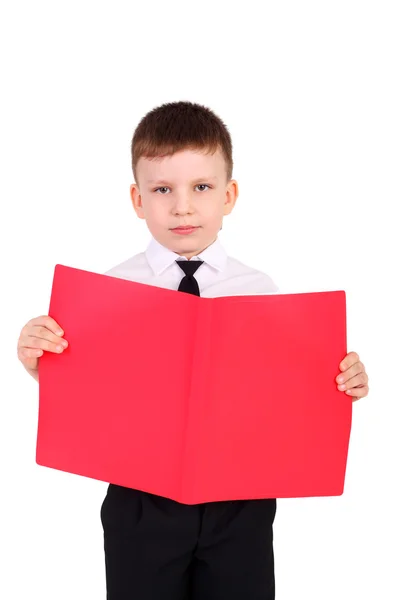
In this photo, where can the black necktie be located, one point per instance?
(188, 283)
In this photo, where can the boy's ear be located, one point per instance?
(232, 193)
(137, 200)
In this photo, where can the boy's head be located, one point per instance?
(182, 165)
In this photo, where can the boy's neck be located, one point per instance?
(192, 254)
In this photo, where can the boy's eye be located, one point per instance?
(167, 188)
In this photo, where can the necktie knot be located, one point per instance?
(189, 283)
(189, 267)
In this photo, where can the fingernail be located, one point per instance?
(64, 343)
(342, 387)
(59, 332)
(59, 348)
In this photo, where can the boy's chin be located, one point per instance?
(188, 244)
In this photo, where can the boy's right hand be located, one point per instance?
(39, 335)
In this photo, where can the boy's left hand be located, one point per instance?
(353, 380)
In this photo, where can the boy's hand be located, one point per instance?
(39, 335)
(353, 380)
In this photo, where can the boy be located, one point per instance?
(156, 548)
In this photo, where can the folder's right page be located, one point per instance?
(272, 423)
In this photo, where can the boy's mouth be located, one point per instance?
(184, 230)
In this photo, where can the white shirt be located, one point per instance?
(220, 275)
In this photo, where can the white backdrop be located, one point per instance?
(310, 93)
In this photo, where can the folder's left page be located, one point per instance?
(112, 406)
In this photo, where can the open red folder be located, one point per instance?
(195, 399)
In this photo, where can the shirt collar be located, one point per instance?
(160, 258)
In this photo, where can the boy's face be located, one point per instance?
(183, 199)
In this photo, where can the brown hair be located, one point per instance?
(175, 126)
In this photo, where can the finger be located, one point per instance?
(48, 323)
(38, 331)
(358, 393)
(26, 353)
(359, 380)
(351, 372)
(349, 360)
(50, 343)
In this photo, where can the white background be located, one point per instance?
(310, 93)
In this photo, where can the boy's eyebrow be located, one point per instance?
(164, 181)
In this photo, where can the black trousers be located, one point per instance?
(158, 549)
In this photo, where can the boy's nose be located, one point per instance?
(183, 205)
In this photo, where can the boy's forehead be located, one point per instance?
(181, 165)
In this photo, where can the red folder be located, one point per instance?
(195, 399)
